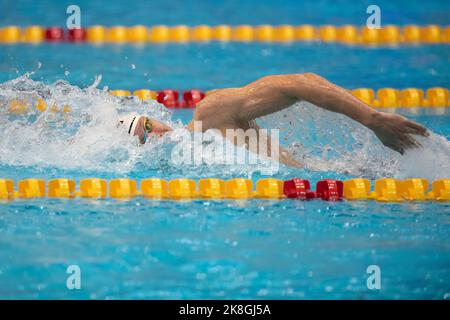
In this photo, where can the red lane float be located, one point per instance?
(53, 34)
(192, 97)
(169, 98)
(298, 189)
(330, 190)
(76, 35)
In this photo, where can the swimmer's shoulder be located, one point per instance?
(221, 101)
(219, 108)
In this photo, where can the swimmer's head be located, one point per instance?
(143, 126)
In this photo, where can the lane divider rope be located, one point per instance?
(347, 34)
(384, 190)
(384, 98)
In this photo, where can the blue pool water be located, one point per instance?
(217, 249)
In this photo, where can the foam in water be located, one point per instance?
(88, 138)
(326, 141)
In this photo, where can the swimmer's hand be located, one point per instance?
(396, 132)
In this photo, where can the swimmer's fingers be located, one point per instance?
(416, 143)
(407, 141)
(410, 143)
(418, 129)
(417, 132)
(396, 147)
(403, 143)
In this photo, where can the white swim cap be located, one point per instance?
(130, 122)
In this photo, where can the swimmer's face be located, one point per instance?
(149, 127)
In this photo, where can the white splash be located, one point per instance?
(326, 141)
(87, 137)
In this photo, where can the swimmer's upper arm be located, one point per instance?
(267, 95)
(219, 108)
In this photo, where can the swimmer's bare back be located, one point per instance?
(237, 108)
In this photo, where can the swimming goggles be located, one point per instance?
(148, 128)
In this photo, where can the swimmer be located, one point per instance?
(237, 108)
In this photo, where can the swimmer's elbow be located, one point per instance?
(311, 75)
(307, 78)
(301, 86)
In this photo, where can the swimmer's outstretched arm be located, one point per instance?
(274, 93)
